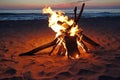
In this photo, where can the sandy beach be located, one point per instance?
(20, 36)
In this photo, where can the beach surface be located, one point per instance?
(20, 36)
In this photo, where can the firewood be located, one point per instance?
(84, 46)
(61, 51)
(75, 13)
(80, 14)
(31, 52)
(54, 47)
(70, 42)
(85, 38)
(71, 45)
(90, 41)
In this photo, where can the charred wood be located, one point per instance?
(75, 13)
(62, 51)
(54, 47)
(71, 45)
(90, 41)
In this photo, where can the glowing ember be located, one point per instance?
(77, 56)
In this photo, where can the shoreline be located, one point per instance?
(104, 17)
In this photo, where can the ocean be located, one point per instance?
(37, 14)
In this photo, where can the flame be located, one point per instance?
(74, 30)
(59, 22)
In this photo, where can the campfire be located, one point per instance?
(69, 40)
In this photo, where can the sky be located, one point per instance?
(36, 4)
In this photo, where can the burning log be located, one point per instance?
(62, 50)
(71, 46)
(68, 36)
(85, 38)
(75, 13)
(80, 14)
(57, 42)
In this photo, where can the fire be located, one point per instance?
(70, 40)
(74, 30)
(77, 56)
(63, 26)
(59, 22)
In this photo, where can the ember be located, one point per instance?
(69, 40)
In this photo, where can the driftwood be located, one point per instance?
(70, 42)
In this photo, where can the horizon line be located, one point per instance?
(115, 7)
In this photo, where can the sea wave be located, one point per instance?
(102, 14)
(21, 16)
(37, 15)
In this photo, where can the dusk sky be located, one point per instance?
(36, 4)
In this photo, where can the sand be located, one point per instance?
(17, 37)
